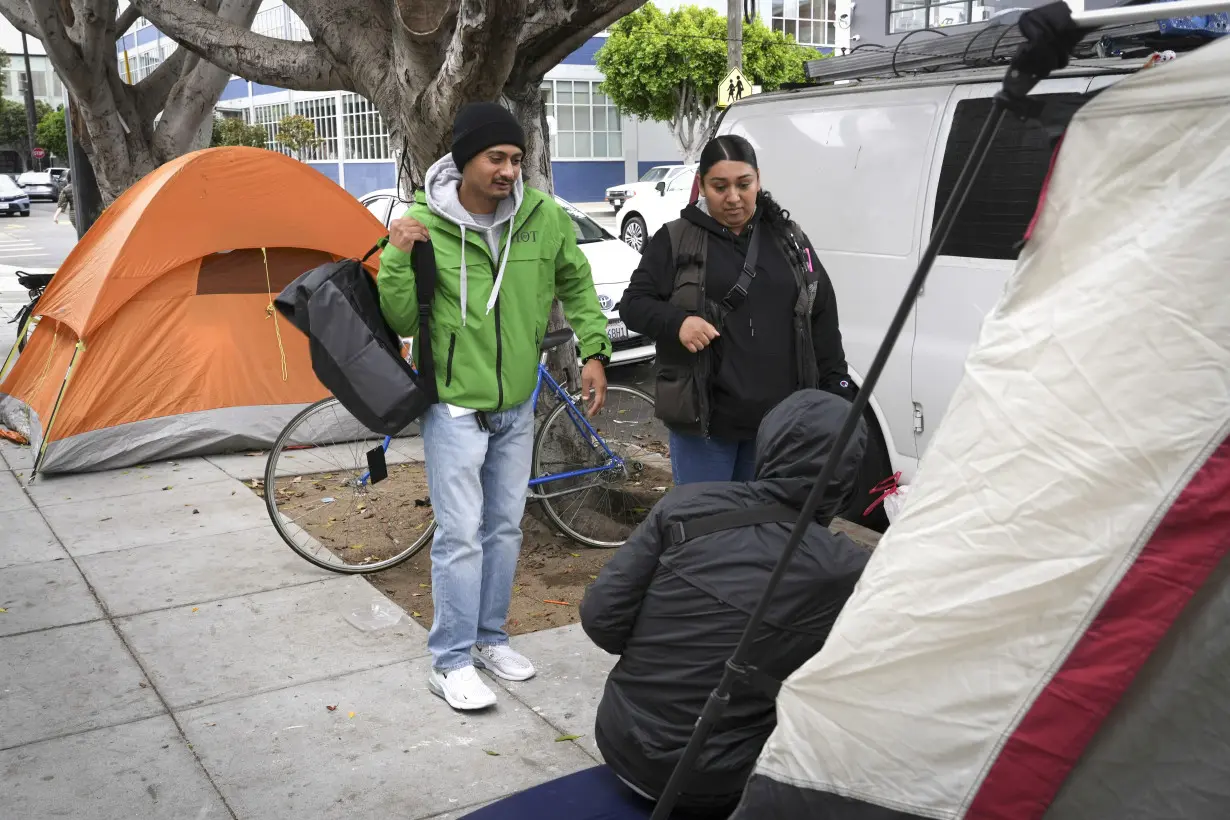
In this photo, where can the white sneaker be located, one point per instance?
(504, 661)
(461, 688)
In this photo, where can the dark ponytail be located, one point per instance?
(737, 149)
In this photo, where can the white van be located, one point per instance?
(864, 168)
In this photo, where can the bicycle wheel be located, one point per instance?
(602, 506)
(322, 499)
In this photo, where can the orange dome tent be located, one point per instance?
(157, 336)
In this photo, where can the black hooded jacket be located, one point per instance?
(754, 358)
(675, 613)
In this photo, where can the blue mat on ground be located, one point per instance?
(590, 794)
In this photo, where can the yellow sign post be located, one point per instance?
(734, 87)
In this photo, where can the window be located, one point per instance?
(587, 230)
(809, 22)
(1002, 202)
(654, 174)
(323, 114)
(269, 116)
(911, 15)
(367, 137)
(271, 23)
(587, 124)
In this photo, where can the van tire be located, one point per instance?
(876, 467)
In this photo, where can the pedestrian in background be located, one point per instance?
(64, 205)
(742, 312)
(503, 252)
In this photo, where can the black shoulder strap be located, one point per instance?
(683, 531)
(735, 296)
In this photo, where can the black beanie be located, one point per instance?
(481, 125)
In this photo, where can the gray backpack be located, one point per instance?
(355, 354)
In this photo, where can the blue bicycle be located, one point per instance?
(352, 501)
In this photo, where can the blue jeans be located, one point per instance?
(696, 458)
(478, 482)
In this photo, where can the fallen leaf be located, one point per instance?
(2, 609)
(493, 754)
(416, 615)
(196, 512)
(108, 518)
(331, 708)
(356, 546)
(350, 715)
(196, 609)
(566, 738)
(164, 489)
(424, 586)
(593, 577)
(143, 684)
(575, 554)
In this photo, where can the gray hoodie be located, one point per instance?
(441, 184)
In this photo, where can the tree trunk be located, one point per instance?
(526, 103)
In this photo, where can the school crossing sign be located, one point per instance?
(734, 87)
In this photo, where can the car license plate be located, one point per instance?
(616, 331)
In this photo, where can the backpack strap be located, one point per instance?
(683, 531)
(738, 293)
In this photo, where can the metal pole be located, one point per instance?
(734, 34)
(30, 118)
(716, 704)
(87, 199)
(1125, 15)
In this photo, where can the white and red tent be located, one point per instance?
(1045, 631)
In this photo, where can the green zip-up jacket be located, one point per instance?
(488, 361)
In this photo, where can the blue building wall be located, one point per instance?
(236, 88)
(586, 53)
(365, 177)
(329, 169)
(586, 181)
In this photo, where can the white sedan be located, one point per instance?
(642, 216)
(611, 261)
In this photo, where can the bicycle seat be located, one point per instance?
(555, 338)
(33, 280)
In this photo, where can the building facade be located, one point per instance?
(593, 146)
(47, 86)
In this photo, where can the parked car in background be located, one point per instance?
(59, 176)
(39, 185)
(611, 261)
(645, 214)
(13, 200)
(618, 195)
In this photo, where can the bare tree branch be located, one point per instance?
(152, 92)
(51, 27)
(302, 66)
(556, 28)
(190, 102)
(127, 17)
(93, 30)
(19, 14)
(480, 31)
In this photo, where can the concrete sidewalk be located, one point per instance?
(167, 656)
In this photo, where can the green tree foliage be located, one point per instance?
(296, 132)
(52, 133)
(666, 66)
(234, 131)
(13, 123)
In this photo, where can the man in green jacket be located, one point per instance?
(504, 252)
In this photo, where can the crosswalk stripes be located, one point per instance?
(16, 244)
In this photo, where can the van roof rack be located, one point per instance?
(927, 50)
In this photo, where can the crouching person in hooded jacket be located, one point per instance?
(674, 600)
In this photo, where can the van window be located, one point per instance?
(1005, 194)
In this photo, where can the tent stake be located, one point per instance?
(55, 410)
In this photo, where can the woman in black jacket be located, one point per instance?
(733, 340)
